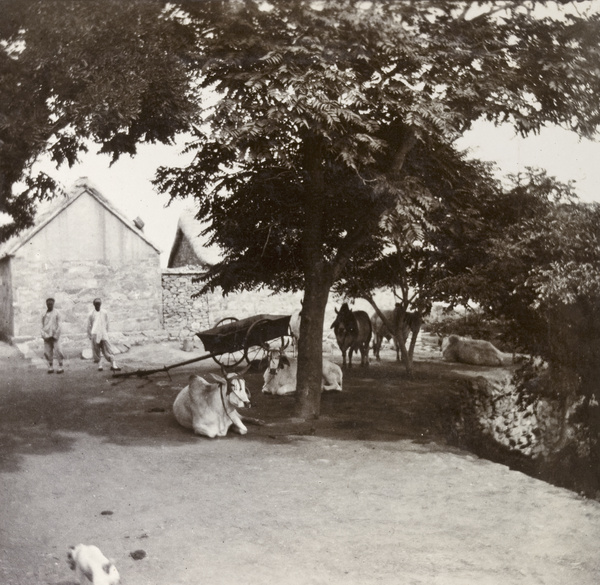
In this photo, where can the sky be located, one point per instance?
(127, 183)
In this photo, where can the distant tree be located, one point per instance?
(541, 275)
(330, 113)
(489, 255)
(75, 70)
(544, 256)
(416, 248)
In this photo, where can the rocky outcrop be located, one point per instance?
(536, 426)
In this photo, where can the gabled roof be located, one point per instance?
(190, 232)
(47, 212)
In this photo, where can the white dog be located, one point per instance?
(91, 566)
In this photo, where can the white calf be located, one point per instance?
(280, 377)
(91, 566)
(210, 409)
(470, 351)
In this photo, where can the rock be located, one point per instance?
(138, 555)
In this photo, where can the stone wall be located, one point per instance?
(184, 315)
(131, 294)
(542, 435)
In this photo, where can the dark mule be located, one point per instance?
(353, 333)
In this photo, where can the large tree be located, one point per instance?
(331, 113)
(324, 114)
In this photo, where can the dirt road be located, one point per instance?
(370, 493)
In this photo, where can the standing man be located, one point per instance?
(98, 333)
(51, 336)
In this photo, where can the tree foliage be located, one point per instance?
(73, 70)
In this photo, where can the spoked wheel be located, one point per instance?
(256, 350)
(228, 359)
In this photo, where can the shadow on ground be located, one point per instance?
(42, 413)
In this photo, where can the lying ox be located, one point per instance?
(210, 409)
(280, 376)
(470, 351)
(91, 566)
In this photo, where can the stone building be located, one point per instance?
(80, 247)
(190, 256)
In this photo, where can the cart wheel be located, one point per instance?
(232, 358)
(255, 354)
(224, 321)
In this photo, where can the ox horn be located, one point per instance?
(218, 379)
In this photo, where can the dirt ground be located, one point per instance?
(371, 493)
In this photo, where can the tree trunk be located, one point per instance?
(310, 345)
(318, 279)
(406, 356)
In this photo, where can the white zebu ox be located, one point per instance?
(280, 377)
(210, 409)
(477, 352)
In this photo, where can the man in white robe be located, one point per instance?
(97, 330)
(51, 322)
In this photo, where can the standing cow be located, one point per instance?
(281, 375)
(353, 333)
(210, 408)
(295, 320)
(381, 332)
(408, 323)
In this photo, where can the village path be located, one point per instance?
(369, 494)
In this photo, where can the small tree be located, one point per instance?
(398, 259)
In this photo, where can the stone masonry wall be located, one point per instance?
(131, 294)
(184, 316)
(490, 406)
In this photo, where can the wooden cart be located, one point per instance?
(232, 340)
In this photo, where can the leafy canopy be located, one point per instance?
(331, 114)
